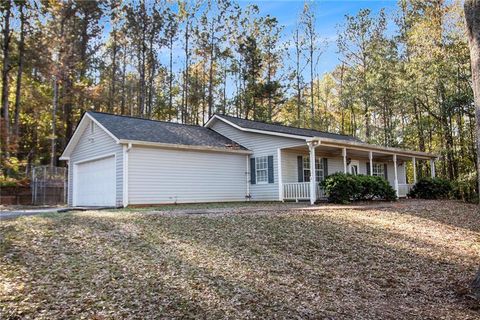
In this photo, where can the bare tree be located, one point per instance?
(298, 43)
(308, 21)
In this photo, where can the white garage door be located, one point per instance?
(95, 183)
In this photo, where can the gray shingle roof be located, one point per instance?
(130, 128)
(257, 125)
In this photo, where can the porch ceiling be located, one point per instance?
(336, 152)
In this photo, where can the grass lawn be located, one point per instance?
(414, 260)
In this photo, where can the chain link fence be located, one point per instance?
(49, 185)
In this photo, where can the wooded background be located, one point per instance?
(407, 86)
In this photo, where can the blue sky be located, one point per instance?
(330, 14)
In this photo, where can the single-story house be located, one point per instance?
(120, 160)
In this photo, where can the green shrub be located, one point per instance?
(11, 182)
(432, 188)
(341, 188)
(344, 188)
(373, 187)
(465, 188)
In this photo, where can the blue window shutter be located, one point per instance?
(270, 170)
(253, 177)
(300, 168)
(385, 167)
(368, 168)
(325, 167)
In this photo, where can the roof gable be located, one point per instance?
(77, 135)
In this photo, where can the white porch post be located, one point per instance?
(395, 174)
(414, 161)
(280, 180)
(432, 167)
(313, 175)
(370, 158)
(344, 155)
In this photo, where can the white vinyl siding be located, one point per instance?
(402, 179)
(157, 175)
(261, 145)
(94, 143)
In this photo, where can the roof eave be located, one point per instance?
(183, 146)
(371, 147)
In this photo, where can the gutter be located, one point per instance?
(183, 146)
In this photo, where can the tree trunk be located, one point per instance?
(210, 72)
(5, 82)
(113, 80)
(124, 74)
(297, 74)
(170, 81)
(54, 124)
(312, 105)
(21, 52)
(476, 285)
(472, 16)
(187, 72)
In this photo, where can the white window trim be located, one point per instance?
(382, 166)
(318, 169)
(263, 169)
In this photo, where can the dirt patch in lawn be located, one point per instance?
(407, 261)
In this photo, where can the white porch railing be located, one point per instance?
(404, 189)
(300, 191)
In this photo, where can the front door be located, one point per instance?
(354, 167)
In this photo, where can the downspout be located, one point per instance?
(247, 178)
(66, 185)
(126, 149)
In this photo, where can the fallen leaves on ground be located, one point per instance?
(411, 260)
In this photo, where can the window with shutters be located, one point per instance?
(319, 172)
(378, 170)
(261, 169)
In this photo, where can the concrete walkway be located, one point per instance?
(4, 215)
(12, 214)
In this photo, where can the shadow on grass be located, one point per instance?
(236, 266)
(457, 214)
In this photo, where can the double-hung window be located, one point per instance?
(261, 169)
(319, 172)
(378, 170)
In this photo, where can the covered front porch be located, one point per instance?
(301, 168)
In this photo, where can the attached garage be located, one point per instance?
(178, 176)
(94, 182)
(120, 161)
